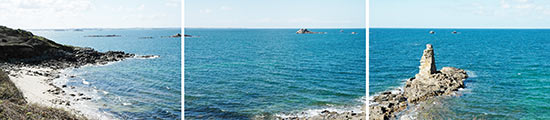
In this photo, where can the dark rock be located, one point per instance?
(23, 47)
(306, 31)
(177, 35)
(148, 56)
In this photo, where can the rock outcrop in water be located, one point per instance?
(305, 31)
(426, 84)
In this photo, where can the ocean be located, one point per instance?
(263, 73)
(133, 88)
(509, 69)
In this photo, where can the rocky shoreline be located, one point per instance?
(33, 62)
(327, 115)
(426, 85)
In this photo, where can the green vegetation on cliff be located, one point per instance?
(8, 91)
(21, 44)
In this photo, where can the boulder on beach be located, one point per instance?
(13, 105)
(428, 83)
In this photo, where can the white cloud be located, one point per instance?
(141, 7)
(19, 13)
(205, 11)
(504, 4)
(30, 8)
(510, 8)
(173, 3)
(525, 6)
(523, 1)
(225, 8)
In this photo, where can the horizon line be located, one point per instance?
(99, 28)
(467, 27)
(278, 27)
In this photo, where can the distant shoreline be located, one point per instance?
(72, 29)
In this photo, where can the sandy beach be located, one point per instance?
(37, 86)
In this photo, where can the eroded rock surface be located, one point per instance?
(426, 84)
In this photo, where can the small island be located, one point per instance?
(306, 31)
(102, 36)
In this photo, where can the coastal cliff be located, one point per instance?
(428, 83)
(20, 46)
(28, 66)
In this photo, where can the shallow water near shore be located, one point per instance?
(508, 68)
(133, 88)
(255, 73)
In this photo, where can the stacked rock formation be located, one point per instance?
(428, 83)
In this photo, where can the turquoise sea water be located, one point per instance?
(509, 69)
(247, 73)
(133, 88)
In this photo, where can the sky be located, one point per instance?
(275, 13)
(59, 14)
(460, 13)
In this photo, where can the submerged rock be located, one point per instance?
(426, 84)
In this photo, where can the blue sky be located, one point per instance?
(275, 13)
(39, 14)
(460, 13)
